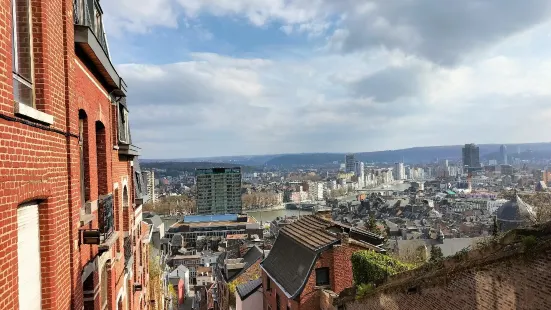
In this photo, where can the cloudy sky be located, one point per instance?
(243, 77)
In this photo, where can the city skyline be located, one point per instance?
(344, 152)
(290, 77)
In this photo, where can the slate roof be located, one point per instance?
(289, 264)
(515, 211)
(248, 288)
(298, 246)
(251, 257)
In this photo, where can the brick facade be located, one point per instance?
(337, 259)
(514, 283)
(41, 162)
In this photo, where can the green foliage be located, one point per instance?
(173, 296)
(364, 290)
(371, 226)
(436, 254)
(529, 242)
(369, 267)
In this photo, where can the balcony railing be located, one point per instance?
(106, 221)
(88, 13)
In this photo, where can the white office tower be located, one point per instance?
(349, 163)
(399, 171)
(359, 171)
(149, 178)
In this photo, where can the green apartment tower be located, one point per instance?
(218, 190)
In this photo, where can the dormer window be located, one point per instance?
(124, 129)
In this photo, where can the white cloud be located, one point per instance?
(393, 74)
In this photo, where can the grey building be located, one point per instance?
(350, 163)
(503, 155)
(218, 190)
(471, 156)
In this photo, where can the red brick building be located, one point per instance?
(67, 164)
(309, 255)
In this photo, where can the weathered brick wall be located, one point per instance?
(515, 283)
(34, 163)
(38, 164)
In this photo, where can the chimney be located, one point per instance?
(345, 239)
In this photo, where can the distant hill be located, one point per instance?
(409, 155)
(190, 166)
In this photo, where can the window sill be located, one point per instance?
(32, 113)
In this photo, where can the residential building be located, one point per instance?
(179, 279)
(149, 176)
(71, 186)
(315, 191)
(399, 171)
(349, 163)
(204, 276)
(239, 270)
(249, 295)
(309, 254)
(157, 227)
(471, 156)
(218, 190)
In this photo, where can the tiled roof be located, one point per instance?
(246, 289)
(311, 232)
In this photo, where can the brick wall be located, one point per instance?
(514, 283)
(38, 164)
(337, 259)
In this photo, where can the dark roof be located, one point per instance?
(251, 257)
(514, 211)
(248, 288)
(289, 264)
(311, 232)
(298, 246)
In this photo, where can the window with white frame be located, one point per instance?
(22, 48)
(28, 257)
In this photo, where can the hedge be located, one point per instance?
(369, 267)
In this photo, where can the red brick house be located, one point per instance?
(67, 164)
(309, 255)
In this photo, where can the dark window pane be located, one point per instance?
(322, 276)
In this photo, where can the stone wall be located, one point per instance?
(511, 277)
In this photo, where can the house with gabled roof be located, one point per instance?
(310, 255)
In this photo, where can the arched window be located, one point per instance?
(84, 157)
(101, 153)
(125, 211)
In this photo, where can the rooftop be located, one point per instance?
(237, 237)
(249, 220)
(299, 245)
(248, 288)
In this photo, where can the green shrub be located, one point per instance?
(364, 289)
(369, 267)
